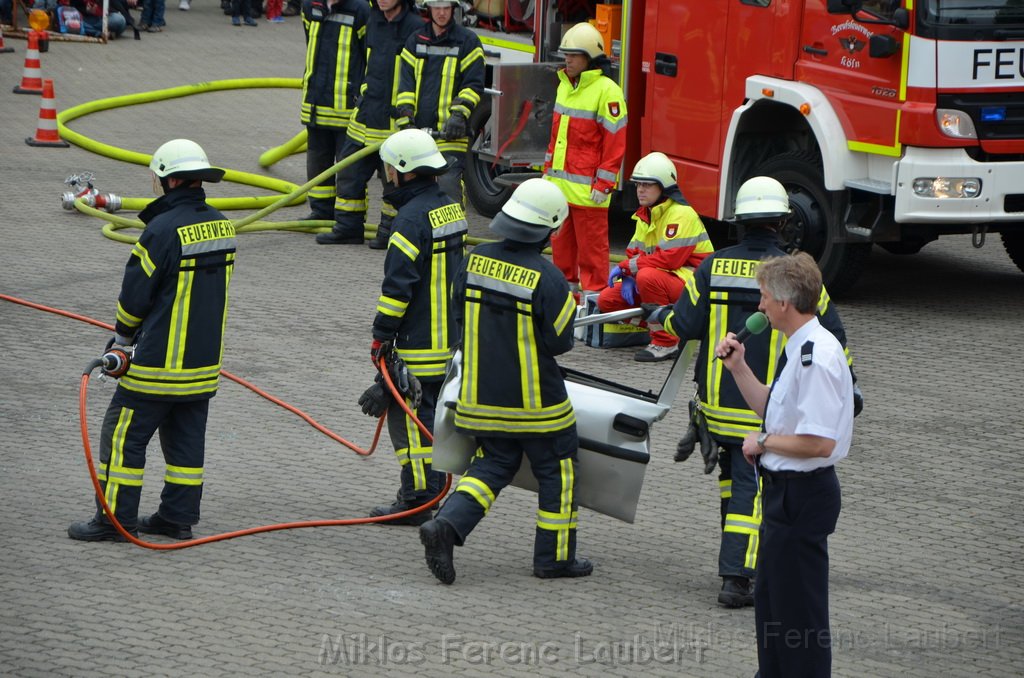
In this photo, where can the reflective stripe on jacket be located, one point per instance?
(441, 75)
(515, 313)
(588, 137)
(669, 236)
(335, 62)
(174, 298)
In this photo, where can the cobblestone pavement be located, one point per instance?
(926, 560)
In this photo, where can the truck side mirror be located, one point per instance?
(882, 46)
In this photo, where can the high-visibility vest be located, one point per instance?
(588, 137)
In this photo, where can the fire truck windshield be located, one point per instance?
(971, 20)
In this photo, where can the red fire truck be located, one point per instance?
(889, 121)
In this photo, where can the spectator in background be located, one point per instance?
(152, 19)
(241, 11)
(5, 11)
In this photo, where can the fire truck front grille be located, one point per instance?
(997, 117)
(1014, 202)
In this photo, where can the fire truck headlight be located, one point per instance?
(947, 187)
(954, 123)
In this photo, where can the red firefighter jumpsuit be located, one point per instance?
(667, 247)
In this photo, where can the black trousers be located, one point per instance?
(553, 462)
(128, 426)
(741, 513)
(791, 592)
(419, 481)
(351, 206)
(324, 147)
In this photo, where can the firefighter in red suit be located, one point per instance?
(588, 141)
(667, 247)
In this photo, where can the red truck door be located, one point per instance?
(866, 92)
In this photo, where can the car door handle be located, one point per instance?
(666, 64)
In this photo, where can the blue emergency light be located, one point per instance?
(993, 114)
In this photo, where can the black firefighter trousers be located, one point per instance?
(553, 462)
(128, 426)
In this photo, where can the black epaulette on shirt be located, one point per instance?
(807, 353)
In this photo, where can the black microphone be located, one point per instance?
(756, 324)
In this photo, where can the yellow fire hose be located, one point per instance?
(291, 193)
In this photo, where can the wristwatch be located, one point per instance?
(761, 439)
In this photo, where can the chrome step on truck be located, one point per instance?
(613, 422)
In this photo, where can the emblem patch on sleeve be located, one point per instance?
(671, 230)
(613, 109)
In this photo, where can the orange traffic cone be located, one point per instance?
(31, 78)
(46, 132)
(3, 48)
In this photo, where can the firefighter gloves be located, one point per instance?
(689, 440)
(455, 127)
(697, 432)
(376, 399)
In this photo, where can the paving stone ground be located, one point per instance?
(926, 561)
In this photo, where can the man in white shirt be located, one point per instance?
(808, 427)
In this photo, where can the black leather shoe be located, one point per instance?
(438, 539)
(581, 567)
(157, 525)
(736, 592)
(399, 507)
(96, 530)
(335, 238)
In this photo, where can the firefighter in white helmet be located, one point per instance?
(588, 141)
(666, 248)
(514, 313)
(172, 308)
(722, 295)
(426, 247)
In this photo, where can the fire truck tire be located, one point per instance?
(816, 224)
(1013, 242)
(479, 176)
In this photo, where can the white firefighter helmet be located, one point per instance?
(184, 159)
(761, 199)
(582, 39)
(413, 150)
(535, 209)
(655, 168)
(439, 3)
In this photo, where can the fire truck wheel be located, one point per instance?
(816, 224)
(1014, 244)
(484, 192)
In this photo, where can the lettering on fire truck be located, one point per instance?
(1002, 63)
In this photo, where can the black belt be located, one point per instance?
(781, 476)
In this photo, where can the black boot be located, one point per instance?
(96, 530)
(580, 567)
(154, 524)
(736, 592)
(380, 241)
(438, 539)
(400, 506)
(338, 238)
